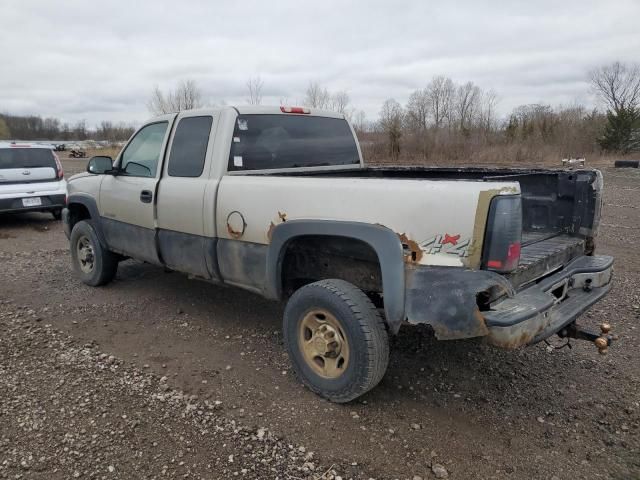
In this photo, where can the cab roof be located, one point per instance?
(257, 110)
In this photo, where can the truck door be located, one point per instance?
(185, 242)
(127, 203)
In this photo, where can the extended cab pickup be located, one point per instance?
(276, 200)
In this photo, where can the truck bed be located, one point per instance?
(542, 253)
(560, 208)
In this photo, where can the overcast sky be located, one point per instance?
(100, 60)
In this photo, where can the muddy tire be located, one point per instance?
(336, 340)
(94, 264)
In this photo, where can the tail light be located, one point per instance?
(60, 172)
(503, 237)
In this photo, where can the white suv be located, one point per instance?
(31, 179)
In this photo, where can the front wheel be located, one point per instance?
(336, 340)
(94, 264)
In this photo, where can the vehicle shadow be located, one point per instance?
(17, 220)
(13, 224)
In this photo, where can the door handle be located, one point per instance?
(146, 196)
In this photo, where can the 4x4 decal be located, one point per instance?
(450, 244)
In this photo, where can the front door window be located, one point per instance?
(141, 157)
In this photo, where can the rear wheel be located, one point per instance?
(94, 264)
(336, 340)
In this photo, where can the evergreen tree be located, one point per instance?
(622, 131)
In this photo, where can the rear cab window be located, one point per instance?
(189, 147)
(264, 141)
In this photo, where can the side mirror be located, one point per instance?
(100, 165)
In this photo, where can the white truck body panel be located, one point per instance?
(264, 201)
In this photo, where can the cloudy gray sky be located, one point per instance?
(80, 59)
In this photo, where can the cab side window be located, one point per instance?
(189, 147)
(140, 158)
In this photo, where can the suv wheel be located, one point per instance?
(336, 340)
(94, 264)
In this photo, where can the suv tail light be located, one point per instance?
(59, 171)
(502, 240)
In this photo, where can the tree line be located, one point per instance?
(34, 127)
(449, 121)
(445, 120)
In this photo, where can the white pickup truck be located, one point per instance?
(277, 200)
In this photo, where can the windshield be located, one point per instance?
(287, 141)
(26, 158)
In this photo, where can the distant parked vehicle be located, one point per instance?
(31, 179)
(77, 154)
(573, 162)
(60, 147)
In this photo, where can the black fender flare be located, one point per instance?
(384, 242)
(90, 203)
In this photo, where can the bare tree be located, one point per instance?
(617, 85)
(418, 110)
(340, 101)
(317, 96)
(489, 105)
(186, 96)
(359, 121)
(440, 93)
(391, 119)
(254, 87)
(466, 105)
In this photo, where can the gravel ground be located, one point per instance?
(157, 376)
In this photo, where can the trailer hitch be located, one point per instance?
(602, 341)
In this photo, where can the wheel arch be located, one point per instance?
(384, 242)
(82, 207)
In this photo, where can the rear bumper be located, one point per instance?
(447, 299)
(49, 202)
(542, 310)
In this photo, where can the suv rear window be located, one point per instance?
(262, 142)
(26, 158)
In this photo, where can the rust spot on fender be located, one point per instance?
(283, 218)
(232, 232)
(415, 253)
(270, 230)
(236, 224)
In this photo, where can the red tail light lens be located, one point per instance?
(503, 237)
(60, 172)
